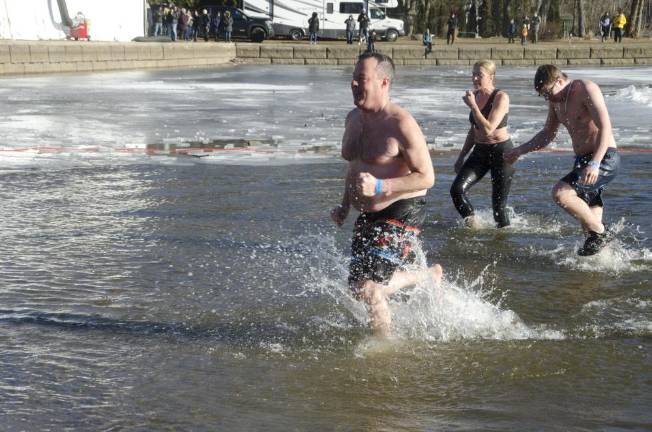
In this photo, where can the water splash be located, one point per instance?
(619, 256)
(457, 308)
(632, 93)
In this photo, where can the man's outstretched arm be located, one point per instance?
(544, 137)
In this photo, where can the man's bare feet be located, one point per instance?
(437, 272)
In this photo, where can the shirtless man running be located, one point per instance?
(388, 175)
(578, 105)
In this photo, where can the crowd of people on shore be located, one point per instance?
(186, 24)
(529, 29)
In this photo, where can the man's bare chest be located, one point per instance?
(572, 114)
(374, 147)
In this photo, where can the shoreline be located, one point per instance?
(158, 150)
(53, 57)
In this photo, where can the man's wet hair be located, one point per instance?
(547, 74)
(385, 63)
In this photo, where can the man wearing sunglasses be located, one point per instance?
(580, 107)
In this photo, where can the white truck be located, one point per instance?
(290, 17)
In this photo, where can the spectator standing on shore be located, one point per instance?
(536, 24)
(363, 20)
(313, 28)
(189, 20)
(166, 22)
(217, 22)
(605, 26)
(196, 21)
(452, 28)
(524, 34)
(204, 24)
(174, 23)
(371, 42)
(511, 31)
(619, 26)
(183, 24)
(158, 22)
(427, 41)
(228, 26)
(350, 29)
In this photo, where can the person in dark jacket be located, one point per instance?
(167, 22)
(535, 24)
(183, 24)
(452, 28)
(605, 26)
(511, 31)
(204, 24)
(217, 21)
(313, 27)
(227, 22)
(427, 41)
(371, 42)
(196, 22)
(363, 20)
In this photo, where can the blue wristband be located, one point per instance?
(379, 186)
(594, 164)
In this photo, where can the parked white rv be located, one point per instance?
(290, 17)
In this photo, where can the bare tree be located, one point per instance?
(581, 26)
(636, 18)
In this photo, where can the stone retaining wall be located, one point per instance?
(50, 57)
(18, 57)
(464, 55)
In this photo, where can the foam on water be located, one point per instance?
(264, 158)
(608, 75)
(619, 315)
(171, 86)
(636, 94)
(12, 159)
(520, 223)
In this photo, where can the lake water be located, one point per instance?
(158, 274)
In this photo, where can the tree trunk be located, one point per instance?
(426, 14)
(506, 15)
(636, 17)
(476, 18)
(543, 8)
(581, 30)
(499, 19)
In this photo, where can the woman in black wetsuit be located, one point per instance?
(488, 137)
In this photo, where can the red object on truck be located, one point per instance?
(80, 31)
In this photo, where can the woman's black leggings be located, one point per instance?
(485, 157)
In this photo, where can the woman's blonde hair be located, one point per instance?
(487, 65)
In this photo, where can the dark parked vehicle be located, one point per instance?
(256, 29)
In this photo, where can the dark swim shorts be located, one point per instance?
(592, 194)
(382, 241)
